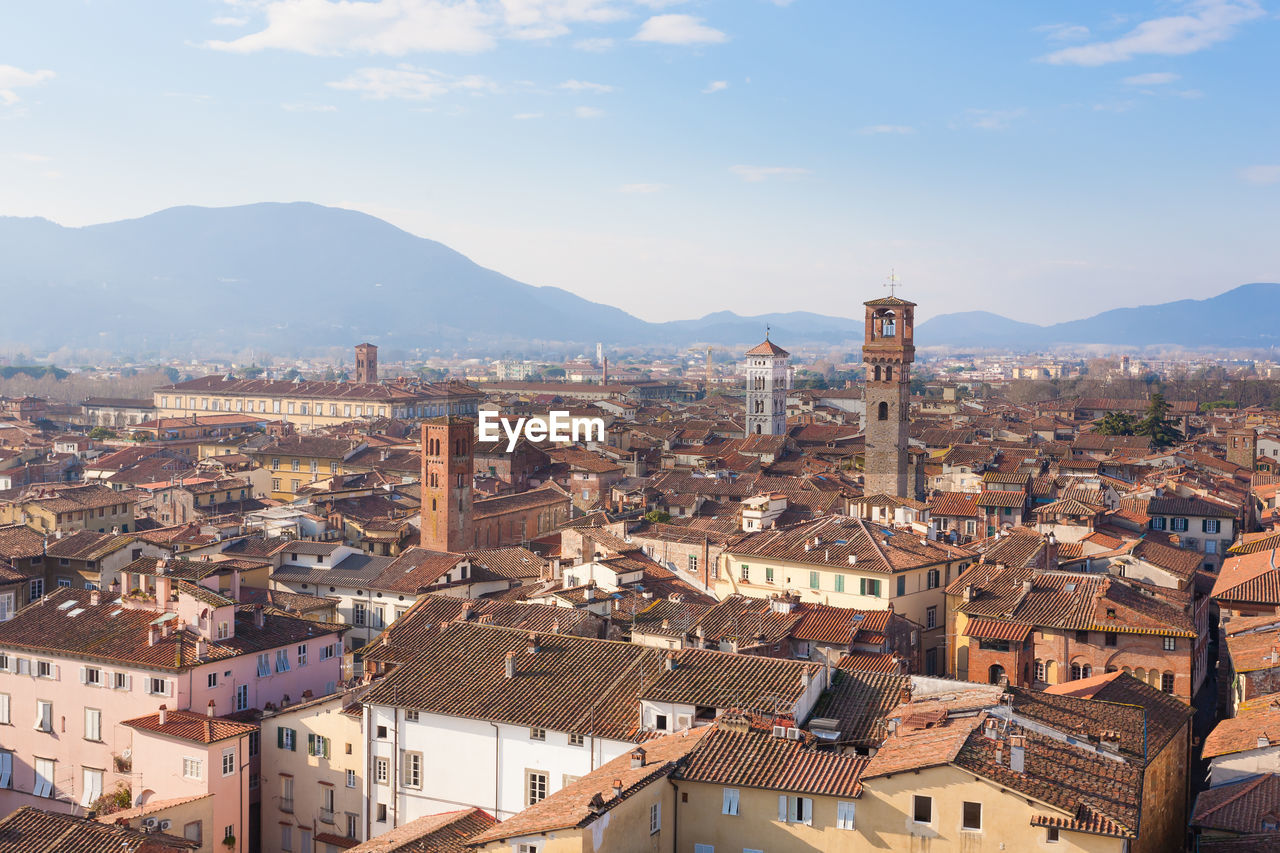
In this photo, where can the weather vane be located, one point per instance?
(892, 283)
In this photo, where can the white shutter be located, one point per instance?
(84, 675)
(805, 806)
(6, 769)
(782, 808)
(128, 682)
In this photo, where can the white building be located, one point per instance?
(768, 379)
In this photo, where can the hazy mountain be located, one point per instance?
(298, 277)
(1246, 316)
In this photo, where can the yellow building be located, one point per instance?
(848, 562)
(312, 778)
(310, 405)
(302, 460)
(68, 508)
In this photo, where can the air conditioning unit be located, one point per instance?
(165, 824)
(779, 731)
(793, 733)
(149, 823)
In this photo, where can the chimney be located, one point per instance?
(669, 662)
(1017, 753)
(534, 645)
(511, 664)
(637, 758)
(153, 634)
(95, 598)
(212, 709)
(164, 714)
(259, 617)
(617, 787)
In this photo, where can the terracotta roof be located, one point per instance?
(991, 629)
(859, 701)
(1248, 730)
(755, 759)
(197, 728)
(1242, 806)
(876, 548)
(769, 348)
(30, 830)
(449, 832)
(961, 504)
(1249, 578)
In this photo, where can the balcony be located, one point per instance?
(286, 804)
(326, 815)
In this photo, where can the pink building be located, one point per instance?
(77, 664)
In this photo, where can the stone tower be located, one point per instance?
(887, 355)
(768, 377)
(447, 468)
(1242, 447)
(366, 363)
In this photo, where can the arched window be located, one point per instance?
(882, 413)
(433, 504)
(1080, 670)
(1040, 670)
(877, 373)
(757, 429)
(888, 373)
(995, 674)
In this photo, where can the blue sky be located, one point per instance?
(1044, 161)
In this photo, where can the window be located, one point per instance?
(902, 584)
(413, 769)
(931, 616)
(382, 813)
(91, 788)
(869, 586)
(357, 614)
(282, 660)
(813, 580)
(37, 589)
(745, 573)
(44, 778)
(839, 583)
(922, 809)
(730, 802)
(1179, 525)
(44, 716)
(44, 669)
(5, 715)
(1109, 638)
(255, 743)
(972, 819)
(326, 652)
(1166, 682)
(158, 686)
(882, 412)
(1170, 644)
(286, 739)
(121, 681)
(536, 786)
(693, 564)
(382, 732)
(1082, 636)
(302, 655)
(697, 848)
(935, 579)
(228, 761)
(1051, 835)
(660, 722)
(6, 769)
(537, 734)
(242, 697)
(533, 848)
(192, 768)
(576, 739)
(353, 825)
(224, 630)
(212, 680)
(194, 831)
(411, 716)
(351, 778)
(92, 724)
(286, 837)
(1081, 670)
(1039, 669)
(655, 818)
(768, 575)
(1157, 523)
(264, 665)
(844, 815)
(1210, 525)
(795, 809)
(381, 771)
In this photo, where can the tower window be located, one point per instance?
(888, 330)
(877, 373)
(883, 412)
(888, 373)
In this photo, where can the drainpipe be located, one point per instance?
(497, 745)
(675, 815)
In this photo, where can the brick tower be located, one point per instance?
(446, 485)
(887, 355)
(1242, 447)
(366, 363)
(767, 380)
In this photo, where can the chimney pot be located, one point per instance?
(511, 664)
(164, 714)
(637, 758)
(669, 662)
(212, 709)
(617, 787)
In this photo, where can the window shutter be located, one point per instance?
(280, 738)
(326, 747)
(128, 682)
(84, 675)
(806, 805)
(782, 808)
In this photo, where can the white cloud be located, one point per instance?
(309, 108)
(588, 112)
(715, 86)
(12, 78)
(594, 45)
(1203, 24)
(1155, 78)
(886, 128)
(584, 86)
(992, 119)
(1063, 32)
(409, 83)
(526, 116)
(756, 174)
(642, 189)
(1261, 175)
(679, 29)
(394, 27)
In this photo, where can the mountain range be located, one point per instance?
(298, 277)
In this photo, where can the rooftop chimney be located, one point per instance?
(637, 758)
(95, 598)
(1017, 753)
(511, 664)
(669, 663)
(164, 714)
(212, 709)
(534, 645)
(153, 634)
(259, 617)
(617, 787)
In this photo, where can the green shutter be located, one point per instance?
(839, 583)
(862, 586)
(280, 738)
(813, 580)
(326, 747)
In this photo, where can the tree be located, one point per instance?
(554, 372)
(100, 433)
(1156, 425)
(141, 436)
(657, 516)
(1115, 423)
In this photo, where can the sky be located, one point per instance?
(1044, 161)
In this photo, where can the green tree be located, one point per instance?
(1115, 423)
(657, 516)
(554, 372)
(100, 433)
(1157, 425)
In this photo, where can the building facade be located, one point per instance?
(887, 354)
(768, 379)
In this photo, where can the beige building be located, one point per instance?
(312, 778)
(848, 562)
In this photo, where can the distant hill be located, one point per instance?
(1246, 316)
(299, 277)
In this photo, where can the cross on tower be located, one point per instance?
(892, 282)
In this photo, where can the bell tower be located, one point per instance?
(887, 353)
(447, 469)
(768, 377)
